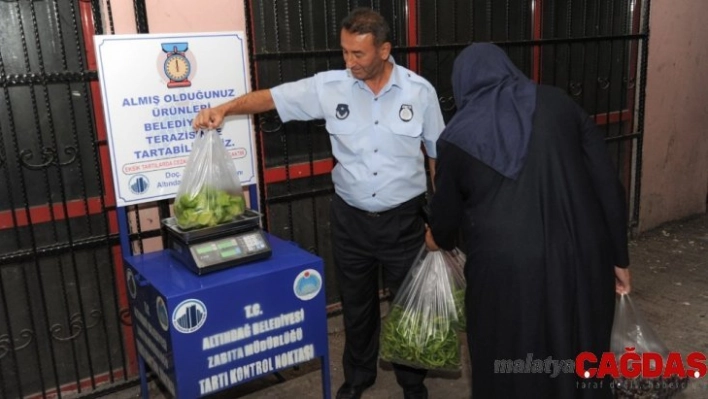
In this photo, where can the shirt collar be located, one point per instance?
(393, 80)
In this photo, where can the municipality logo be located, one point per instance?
(189, 316)
(307, 284)
(139, 184)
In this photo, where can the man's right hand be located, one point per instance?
(209, 118)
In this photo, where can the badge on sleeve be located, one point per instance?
(406, 112)
(342, 111)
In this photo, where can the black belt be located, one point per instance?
(415, 200)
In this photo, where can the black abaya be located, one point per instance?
(541, 251)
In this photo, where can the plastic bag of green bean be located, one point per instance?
(420, 328)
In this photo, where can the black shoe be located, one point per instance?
(349, 391)
(419, 392)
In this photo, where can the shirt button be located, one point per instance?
(376, 150)
(376, 99)
(373, 195)
(376, 173)
(376, 123)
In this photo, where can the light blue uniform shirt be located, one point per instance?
(376, 139)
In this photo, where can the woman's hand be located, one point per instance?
(429, 241)
(622, 281)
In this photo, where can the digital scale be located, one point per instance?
(218, 247)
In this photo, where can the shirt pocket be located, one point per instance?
(341, 127)
(412, 128)
(405, 138)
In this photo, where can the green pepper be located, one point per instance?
(207, 208)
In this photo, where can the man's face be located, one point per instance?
(362, 57)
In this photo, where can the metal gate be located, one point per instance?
(64, 323)
(593, 49)
(63, 314)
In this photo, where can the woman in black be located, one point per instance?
(526, 175)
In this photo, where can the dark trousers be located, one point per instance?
(361, 242)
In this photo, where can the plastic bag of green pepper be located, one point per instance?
(420, 329)
(455, 261)
(210, 192)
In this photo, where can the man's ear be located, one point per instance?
(385, 50)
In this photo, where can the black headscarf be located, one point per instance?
(495, 106)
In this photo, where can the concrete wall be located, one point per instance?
(179, 16)
(675, 155)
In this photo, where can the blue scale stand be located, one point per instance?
(201, 334)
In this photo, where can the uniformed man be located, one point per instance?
(377, 114)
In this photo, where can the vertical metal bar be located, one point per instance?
(454, 20)
(473, 25)
(33, 240)
(55, 142)
(626, 146)
(111, 25)
(598, 58)
(646, 12)
(507, 25)
(97, 16)
(310, 147)
(489, 15)
(581, 91)
(610, 21)
(333, 22)
(10, 338)
(625, 68)
(437, 42)
(141, 21)
(569, 34)
(551, 4)
(283, 134)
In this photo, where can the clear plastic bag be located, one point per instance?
(210, 192)
(455, 262)
(420, 328)
(630, 330)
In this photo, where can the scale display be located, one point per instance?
(219, 247)
(228, 249)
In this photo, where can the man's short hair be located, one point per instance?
(365, 20)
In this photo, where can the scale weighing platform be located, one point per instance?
(218, 247)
